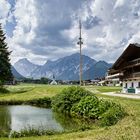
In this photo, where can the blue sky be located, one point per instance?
(42, 30)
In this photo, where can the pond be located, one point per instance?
(19, 117)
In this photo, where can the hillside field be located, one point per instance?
(126, 129)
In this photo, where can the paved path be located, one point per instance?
(135, 96)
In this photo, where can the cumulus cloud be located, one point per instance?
(39, 26)
(49, 29)
(119, 3)
(4, 11)
(24, 32)
(119, 26)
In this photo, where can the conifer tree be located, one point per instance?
(5, 66)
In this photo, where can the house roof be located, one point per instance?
(130, 53)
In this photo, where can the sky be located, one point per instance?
(42, 30)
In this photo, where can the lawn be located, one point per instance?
(126, 129)
(26, 92)
(104, 89)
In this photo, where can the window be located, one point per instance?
(132, 85)
(138, 84)
(125, 85)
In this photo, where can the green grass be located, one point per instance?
(126, 129)
(26, 92)
(103, 89)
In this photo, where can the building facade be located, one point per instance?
(127, 69)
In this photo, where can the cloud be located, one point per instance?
(24, 32)
(119, 3)
(38, 27)
(4, 11)
(119, 26)
(49, 29)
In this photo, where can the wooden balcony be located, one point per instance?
(133, 63)
(117, 75)
(132, 76)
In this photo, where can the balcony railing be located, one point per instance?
(136, 74)
(133, 63)
(136, 61)
(133, 75)
(117, 75)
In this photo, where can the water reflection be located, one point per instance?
(5, 119)
(20, 117)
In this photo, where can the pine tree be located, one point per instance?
(5, 66)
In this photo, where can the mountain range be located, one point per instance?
(15, 73)
(25, 67)
(66, 68)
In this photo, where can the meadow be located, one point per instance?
(24, 92)
(126, 129)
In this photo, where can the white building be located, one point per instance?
(127, 69)
(53, 81)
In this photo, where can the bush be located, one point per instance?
(82, 104)
(104, 105)
(112, 115)
(64, 101)
(90, 107)
(41, 102)
(87, 107)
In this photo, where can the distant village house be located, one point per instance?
(53, 81)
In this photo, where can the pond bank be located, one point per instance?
(25, 120)
(41, 102)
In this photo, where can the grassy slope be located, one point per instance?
(31, 91)
(126, 129)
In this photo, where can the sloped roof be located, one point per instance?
(131, 52)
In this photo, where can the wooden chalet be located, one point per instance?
(127, 69)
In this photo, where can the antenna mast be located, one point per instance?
(80, 44)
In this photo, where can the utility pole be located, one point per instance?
(80, 44)
(88, 74)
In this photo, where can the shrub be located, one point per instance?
(64, 101)
(42, 102)
(82, 104)
(91, 107)
(112, 115)
(87, 107)
(104, 105)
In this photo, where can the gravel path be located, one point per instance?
(134, 96)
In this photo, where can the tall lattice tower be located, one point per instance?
(80, 45)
